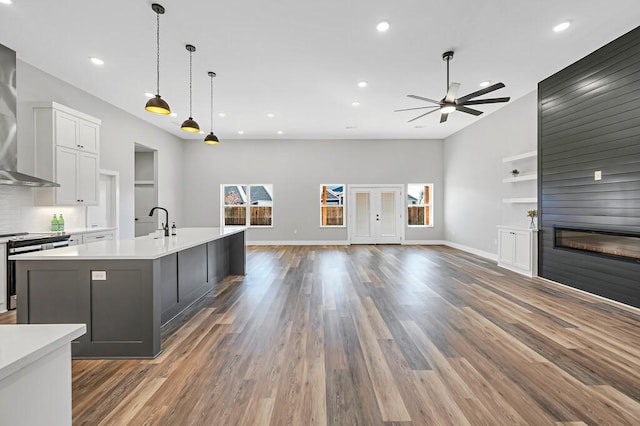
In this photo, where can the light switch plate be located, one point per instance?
(98, 275)
(597, 175)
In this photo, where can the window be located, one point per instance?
(331, 205)
(258, 199)
(419, 204)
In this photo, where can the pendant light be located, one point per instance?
(189, 125)
(157, 105)
(211, 139)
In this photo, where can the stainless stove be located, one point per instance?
(24, 242)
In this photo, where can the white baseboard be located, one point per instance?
(423, 243)
(472, 250)
(597, 296)
(298, 243)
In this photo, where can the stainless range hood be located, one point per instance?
(9, 174)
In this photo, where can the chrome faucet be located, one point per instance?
(166, 224)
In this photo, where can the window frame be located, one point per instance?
(428, 204)
(343, 205)
(247, 204)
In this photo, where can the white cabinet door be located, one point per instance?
(67, 176)
(522, 250)
(505, 246)
(87, 178)
(89, 137)
(66, 129)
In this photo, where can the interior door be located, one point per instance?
(376, 215)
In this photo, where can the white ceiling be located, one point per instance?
(302, 59)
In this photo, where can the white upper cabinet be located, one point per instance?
(67, 146)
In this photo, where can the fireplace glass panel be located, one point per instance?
(600, 242)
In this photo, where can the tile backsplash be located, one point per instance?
(17, 212)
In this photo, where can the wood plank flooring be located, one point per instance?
(370, 335)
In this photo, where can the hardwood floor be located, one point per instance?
(377, 335)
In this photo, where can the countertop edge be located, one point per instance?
(67, 332)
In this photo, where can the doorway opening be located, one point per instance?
(145, 189)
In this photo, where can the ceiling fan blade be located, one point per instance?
(452, 92)
(481, 92)
(411, 109)
(468, 110)
(420, 116)
(420, 98)
(444, 117)
(486, 101)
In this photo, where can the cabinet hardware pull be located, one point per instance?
(101, 236)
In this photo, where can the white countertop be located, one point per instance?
(22, 344)
(142, 248)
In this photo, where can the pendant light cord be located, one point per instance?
(190, 78)
(212, 104)
(157, 53)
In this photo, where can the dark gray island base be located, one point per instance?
(124, 300)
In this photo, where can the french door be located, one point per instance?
(376, 214)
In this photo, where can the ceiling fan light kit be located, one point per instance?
(190, 125)
(451, 103)
(157, 105)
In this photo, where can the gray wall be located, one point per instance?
(473, 173)
(296, 169)
(119, 132)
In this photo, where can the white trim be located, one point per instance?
(597, 296)
(116, 180)
(298, 243)
(424, 243)
(523, 156)
(472, 250)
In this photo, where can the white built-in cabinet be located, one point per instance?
(67, 146)
(518, 250)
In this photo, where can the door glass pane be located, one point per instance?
(261, 209)
(388, 213)
(363, 215)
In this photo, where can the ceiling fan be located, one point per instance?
(450, 103)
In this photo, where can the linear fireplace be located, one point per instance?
(623, 245)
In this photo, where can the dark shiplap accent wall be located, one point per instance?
(588, 120)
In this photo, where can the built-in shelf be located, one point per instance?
(520, 157)
(520, 178)
(143, 182)
(533, 200)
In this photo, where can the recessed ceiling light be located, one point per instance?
(5, 1)
(241, 132)
(222, 114)
(201, 132)
(355, 103)
(562, 26)
(485, 83)
(362, 84)
(382, 26)
(149, 94)
(279, 132)
(173, 114)
(271, 115)
(97, 61)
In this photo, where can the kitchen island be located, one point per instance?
(125, 290)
